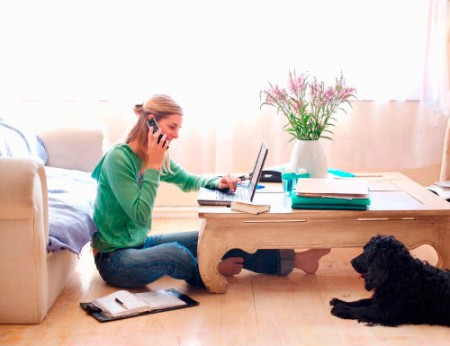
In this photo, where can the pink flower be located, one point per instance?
(308, 106)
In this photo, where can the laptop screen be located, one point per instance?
(259, 164)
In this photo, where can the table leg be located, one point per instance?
(211, 249)
(443, 249)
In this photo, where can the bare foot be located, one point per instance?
(231, 266)
(308, 261)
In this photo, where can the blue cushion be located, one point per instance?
(17, 142)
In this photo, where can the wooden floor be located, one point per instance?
(256, 310)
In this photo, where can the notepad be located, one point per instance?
(332, 188)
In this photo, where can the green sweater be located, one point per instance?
(124, 203)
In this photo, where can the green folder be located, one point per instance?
(302, 202)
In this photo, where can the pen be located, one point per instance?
(258, 186)
(118, 301)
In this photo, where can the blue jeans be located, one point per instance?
(175, 255)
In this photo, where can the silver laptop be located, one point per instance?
(243, 192)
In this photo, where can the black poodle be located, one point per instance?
(406, 290)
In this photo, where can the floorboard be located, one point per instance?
(256, 310)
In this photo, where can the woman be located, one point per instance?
(128, 178)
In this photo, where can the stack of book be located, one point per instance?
(441, 188)
(314, 193)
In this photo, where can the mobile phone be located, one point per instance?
(152, 122)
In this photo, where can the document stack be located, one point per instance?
(330, 193)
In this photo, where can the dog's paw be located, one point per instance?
(335, 301)
(342, 311)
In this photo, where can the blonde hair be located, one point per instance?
(161, 107)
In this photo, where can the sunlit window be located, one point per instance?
(210, 55)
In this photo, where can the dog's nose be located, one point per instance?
(356, 265)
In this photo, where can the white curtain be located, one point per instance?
(91, 60)
(435, 80)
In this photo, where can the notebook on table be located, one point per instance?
(243, 192)
(313, 193)
(332, 188)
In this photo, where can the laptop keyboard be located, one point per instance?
(239, 195)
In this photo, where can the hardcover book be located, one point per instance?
(250, 207)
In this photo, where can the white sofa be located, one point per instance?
(32, 277)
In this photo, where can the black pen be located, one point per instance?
(118, 301)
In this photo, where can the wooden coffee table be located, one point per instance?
(399, 207)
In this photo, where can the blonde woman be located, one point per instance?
(126, 253)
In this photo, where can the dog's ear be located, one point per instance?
(385, 255)
(387, 245)
(373, 248)
(378, 271)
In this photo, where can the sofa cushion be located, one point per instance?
(71, 196)
(21, 143)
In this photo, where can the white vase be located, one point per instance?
(310, 156)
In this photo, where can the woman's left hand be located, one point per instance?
(229, 182)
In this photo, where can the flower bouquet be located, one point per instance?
(310, 109)
(309, 105)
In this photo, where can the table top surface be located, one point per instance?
(392, 194)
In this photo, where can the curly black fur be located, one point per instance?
(406, 290)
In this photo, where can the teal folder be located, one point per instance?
(302, 202)
(340, 173)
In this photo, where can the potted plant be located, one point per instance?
(310, 108)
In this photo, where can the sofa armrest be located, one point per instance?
(23, 241)
(23, 186)
(75, 148)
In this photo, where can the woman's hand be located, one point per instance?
(155, 150)
(229, 182)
